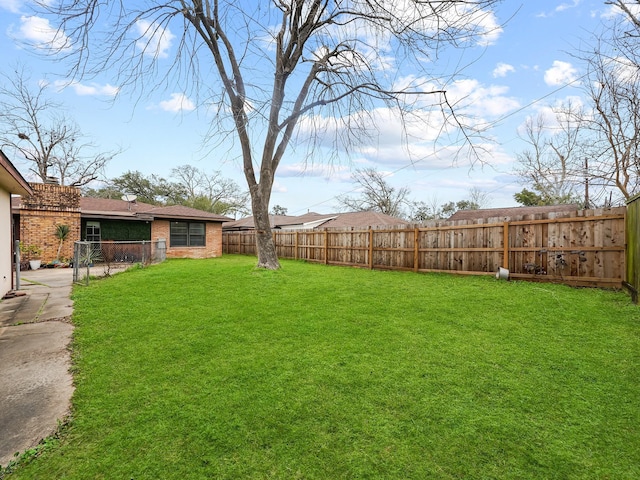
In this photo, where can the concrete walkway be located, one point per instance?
(35, 382)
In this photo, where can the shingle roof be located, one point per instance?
(364, 220)
(511, 212)
(180, 211)
(113, 208)
(312, 219)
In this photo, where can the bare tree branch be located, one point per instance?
(33, 126)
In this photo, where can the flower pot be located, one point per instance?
(35, 264)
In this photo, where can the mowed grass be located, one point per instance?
(212, 369)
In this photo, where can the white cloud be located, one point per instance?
(155, 40)
(614, 11)
(178, 102)
(319, 170)
(561, 73)
(566, 6)
(11, 5)
(278, 187)
(502, 69)
(399, 139)
(560, 8)
(41, 34)
(480, 100)
(94, 89)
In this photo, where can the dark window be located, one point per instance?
(187, 234)
(92, 232)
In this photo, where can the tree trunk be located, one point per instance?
(265, 247)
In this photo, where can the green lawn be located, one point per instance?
(198, 369)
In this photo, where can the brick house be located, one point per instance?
(11, 182)
(189, 233)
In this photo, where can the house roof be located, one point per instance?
(10, 178)
(364, 219)
(180, 211)
(107, 208)
(511, 212)
(316, 220)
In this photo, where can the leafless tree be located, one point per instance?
(375, 194)
(613, 88)
(552, 163)
(632, 14)
(276, 66)
(32, 125)
(210, 191)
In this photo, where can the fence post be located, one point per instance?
(295, 253)
(505, 234)
(326, 247)
(370, 248)
(416, 250)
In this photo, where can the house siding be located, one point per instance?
(213, 240)
(40, 213)
(5, 242)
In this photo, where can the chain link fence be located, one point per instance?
(112, 256)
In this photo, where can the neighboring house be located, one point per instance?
(189, 233)
(505, 214)
(11, 182)
(311, 221)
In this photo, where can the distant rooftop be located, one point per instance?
(316, 220)
(510, 212)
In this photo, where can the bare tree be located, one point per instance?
(613, 88)
(274, 66)
(632, 14)
(33, 126)
(552, 163)
(375, 194)
(210, 192)
(480, 198)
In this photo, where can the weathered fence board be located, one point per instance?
(581, 248)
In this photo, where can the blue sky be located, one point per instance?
(520, 71)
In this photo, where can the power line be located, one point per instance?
(490, 125)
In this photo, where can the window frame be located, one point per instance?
(93, 226)
(187, 238)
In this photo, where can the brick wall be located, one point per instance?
(42, 212)
(213, 241)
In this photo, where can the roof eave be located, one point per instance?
(15, 182)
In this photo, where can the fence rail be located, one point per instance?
(585, 248)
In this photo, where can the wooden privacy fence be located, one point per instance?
(585, 248)
(632, 280)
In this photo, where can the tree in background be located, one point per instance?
(151, 189)
(375, 194)
(632, 14)
(210, 192)
(53, 145)
(613, 89)
(278, 210)
(275, 66)
(590, 154)
(552, 165)
(187, 186)
(422, 211)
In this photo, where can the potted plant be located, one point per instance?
(31, 254)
